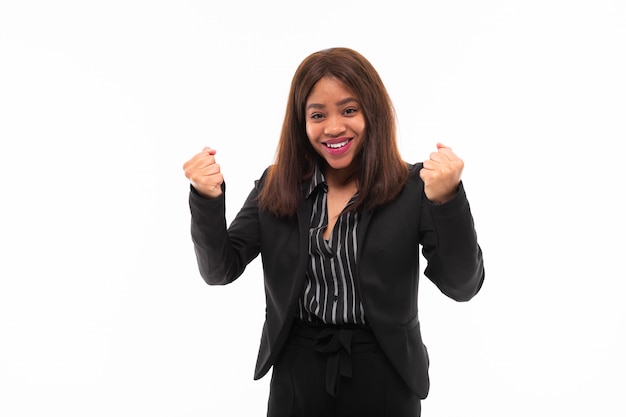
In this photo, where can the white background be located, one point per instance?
(102, 310)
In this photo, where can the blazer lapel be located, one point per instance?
(304, 223)
(364, 221)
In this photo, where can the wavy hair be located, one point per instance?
(381, 174)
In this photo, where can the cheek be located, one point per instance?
(361, 126)
(310, 132)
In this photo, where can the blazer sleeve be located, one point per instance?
(223, 252)
(450, 247)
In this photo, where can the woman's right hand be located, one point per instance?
(204, 173)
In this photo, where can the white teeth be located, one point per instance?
(337, 145)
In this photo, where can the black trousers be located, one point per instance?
(337, 371)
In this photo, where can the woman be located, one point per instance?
(338, 220)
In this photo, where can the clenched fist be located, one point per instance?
(204, 173)
(441, 174)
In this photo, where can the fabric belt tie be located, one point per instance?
(337, 344)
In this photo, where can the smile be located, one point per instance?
(335, 148)
(338, 144)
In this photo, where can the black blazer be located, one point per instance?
(388, 265)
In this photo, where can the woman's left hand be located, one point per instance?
(442, 174)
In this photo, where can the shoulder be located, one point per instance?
(263, 178)
(412, 191)
(414, 171)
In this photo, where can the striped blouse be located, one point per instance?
(331, 294)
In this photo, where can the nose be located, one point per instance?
(334, 126)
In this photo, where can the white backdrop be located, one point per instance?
(102, 310)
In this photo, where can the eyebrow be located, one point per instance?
(339, 103)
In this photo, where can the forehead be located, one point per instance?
(330, 88)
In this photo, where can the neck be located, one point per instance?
(340, 178)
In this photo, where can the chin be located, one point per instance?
(340, 165)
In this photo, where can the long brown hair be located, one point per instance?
(382, 172)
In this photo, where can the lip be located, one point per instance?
(340, 150)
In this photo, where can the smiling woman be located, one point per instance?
(336, 217)
(333, 90)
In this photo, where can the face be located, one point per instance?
(335, 125)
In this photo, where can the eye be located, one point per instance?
(316, 116)
(350, 111)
